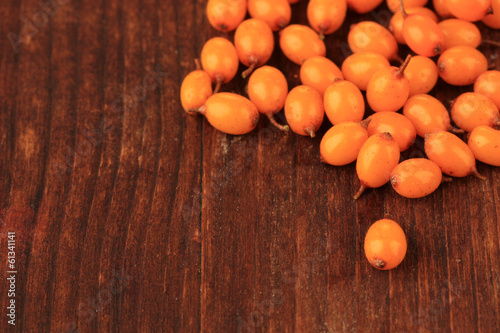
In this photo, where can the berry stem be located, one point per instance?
(400, 72)
(273, 121)
(201, 110)
(218, 83)
(310, 132)
(491, 42)
(477, 174)
(365, 122)
(197, 64)
(445, 179)
(403, 11)
(360, 191)
(456, 130)
(249, 70)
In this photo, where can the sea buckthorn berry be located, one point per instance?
(395, 5)
(220, 60)
(460, 33)
(276, 13)
(363, 6)
(226, 15)
(461, 65)
(423, 35)
(428, 115)
(416, 177)
(470, 10)
(488, 84)
(484, 144)
(195, 90)
(254, 42)
(230, 113)
(385, 244)
(440, 8)
(319, 73)
(378, 156)
(304, 110)
(359, 68)
(267, 89)
(388, 89)
(493, 20)
(400, 128)
(451, 154)
(341, 144)
(396, 23)
(326, 16)
(299, 43)
(471, 110)
(370, 36)
(422, 74)
(343, 102)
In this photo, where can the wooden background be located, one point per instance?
(131, 216)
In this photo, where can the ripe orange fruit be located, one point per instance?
(359, 68)
(299, 43)
(461, 65)
(484, 144)
(304, 110)
(341, 144)
(319, 72)
(226, 15)
(416, 177)
(385, 244)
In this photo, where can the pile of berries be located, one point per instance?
(444, 43)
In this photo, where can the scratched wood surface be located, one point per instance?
(131, 216)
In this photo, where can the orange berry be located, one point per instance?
(470, 10)
(423, 35)
(396, 23)
(220, 60)
(378, 156)
(299, 43)
(195, 90)
(395, 5)
(440, 8)
(254, 42)
(363, 6)
(304, 110)
(230, 113)
(388, 89)
(484, 144)
(360, 67)
(450, 153)
(319, 72)
(267, 89)
(343, 102)
(471, 110)
(326, 16)
(459, 32)
(385, 244)
(416, 177)
(461, 65)
(372, 37)
(341, 144)
(427, 114)
(422, 74)
(226, 15)
(488, 84)
(493, 20)
(400, 128)
(276, 13)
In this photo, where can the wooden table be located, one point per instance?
(131, 216)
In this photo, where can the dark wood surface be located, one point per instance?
(131, 216)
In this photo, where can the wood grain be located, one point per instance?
(132, 216)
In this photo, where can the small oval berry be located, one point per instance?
(254, 43)
(492, 20)
(440, 8)
(461, 65)
(326, 16)
(368, 36)
(343, 102)
(341, 144)
(451, 154)
(230, 113)
(385, 244)
(299, 43)
(304, 110)
(267, 89)
(319, 73)
(220, 60)
(470, 10)
(488, 84)
(276, 13)
(363, 6)
(400, 128)
(378, 156)
(359, 68)
(471, 110)
(423, 35)
(422, 74)
(226, 15)
(396, 23)
(416, 177)
(195, 90)
(460, 33)
(484, 142)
